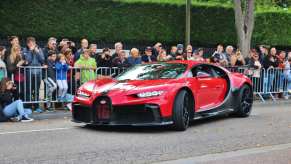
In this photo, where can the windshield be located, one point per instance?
(153, 71)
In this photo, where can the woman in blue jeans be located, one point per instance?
(11, 108)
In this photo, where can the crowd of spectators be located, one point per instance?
(58, 58)
(16, 55)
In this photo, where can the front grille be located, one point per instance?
(135, 114)
(102, 109)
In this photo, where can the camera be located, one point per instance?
(107, 55)
(217, 56)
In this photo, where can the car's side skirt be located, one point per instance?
(211, 113)
(225, 108)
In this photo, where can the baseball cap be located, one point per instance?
(180, 46)
(148, 48)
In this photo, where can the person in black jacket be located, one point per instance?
(50, 81)
(104, 59)
(121, 61)
(11, 108)
(148, 56)
(118, 48)
(271, 60)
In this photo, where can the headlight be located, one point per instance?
(83, 94)
(149, 94)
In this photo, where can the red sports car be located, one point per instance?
(166, 93)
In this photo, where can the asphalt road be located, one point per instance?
(264, 137)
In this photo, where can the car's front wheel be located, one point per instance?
(244, 107)
(181, 111)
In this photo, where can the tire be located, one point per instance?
(181, 111)
(90, 126)
(244, 107)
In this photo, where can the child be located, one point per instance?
(62, 69)
(51, 77)
(87, 67)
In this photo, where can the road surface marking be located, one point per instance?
(36, 130)
(226, 155)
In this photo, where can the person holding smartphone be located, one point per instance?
(11, 107)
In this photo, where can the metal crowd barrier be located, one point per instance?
(266, 82)
(33, 87)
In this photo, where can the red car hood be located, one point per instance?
(113, 87)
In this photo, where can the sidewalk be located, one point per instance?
(270, 102)
(59, 114)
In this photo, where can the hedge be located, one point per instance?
(117, 20)
(266, 3)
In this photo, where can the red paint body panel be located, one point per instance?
(207, 92)
(239, 79)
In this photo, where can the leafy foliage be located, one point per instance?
(137, 21)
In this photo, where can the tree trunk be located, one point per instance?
(245, 47)
(244, 23)
(188, 22)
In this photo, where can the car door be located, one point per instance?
(202, 79)
(208, 87)
(222, 86)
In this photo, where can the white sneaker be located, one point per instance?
(15, 119)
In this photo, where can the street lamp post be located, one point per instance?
(188, 21)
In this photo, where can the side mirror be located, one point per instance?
(202, 75)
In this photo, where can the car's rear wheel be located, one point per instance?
(244, 107)
(181, 111)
